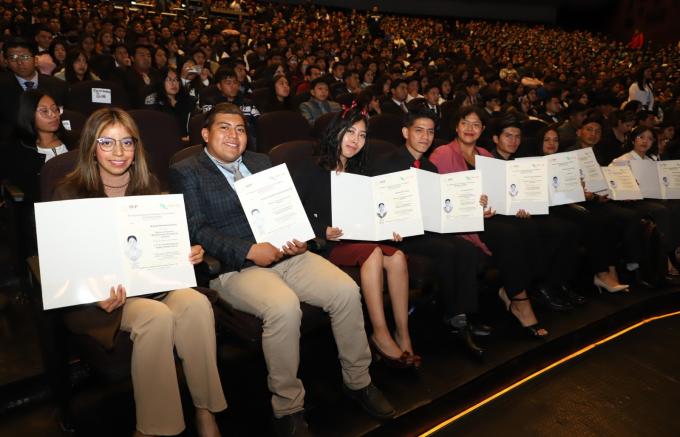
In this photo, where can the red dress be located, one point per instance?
(355, 254)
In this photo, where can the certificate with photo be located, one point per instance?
(564, 181)
(450, 202)
(590, 170)
(621, 183)
(658, 180)
(273, 207)
(372, 208)
(86, 246)
(521, 184)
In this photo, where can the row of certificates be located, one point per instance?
(88, 245)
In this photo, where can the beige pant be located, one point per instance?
(183, 319)
(274, 295)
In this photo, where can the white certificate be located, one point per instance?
(86, 246)
(372, 208)
(669, 175)
(515, 185)
(450, 202)
(564, 181)
(647, 175)
(621, 183)
(590, 170)
(273, 208)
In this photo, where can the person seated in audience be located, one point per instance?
(58, 52)
(602, 225)
(193, 79)
(76, 68)
(576, 113)
(351, 87)
(552, 106)
(228, 85)
(175, 100)
(311, 73)
(413, 88)
(111, 163)
(395, 103)
(614, 136)
(270, 282)
(457, 260)
(279, 98)
(640, 145)
(22, 76)
(510, 242)
(343, 149)
(140, 80)
(121, 56)
(318, 104)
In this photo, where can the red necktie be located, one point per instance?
(416, 163)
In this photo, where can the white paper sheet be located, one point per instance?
(590, 170)
(273, 207)
(372, 208)
(621, 183)
(450, 202)
(86, 246)
(515, 185)
(647, 175)
(669, 175)
(564, 181)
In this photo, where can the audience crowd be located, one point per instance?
(473, 88)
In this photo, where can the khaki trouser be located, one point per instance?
(183, 319)
(274, 295)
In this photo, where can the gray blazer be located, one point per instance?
(215, 216)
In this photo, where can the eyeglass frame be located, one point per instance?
(50, 112)
(115, 141)
(19, 58)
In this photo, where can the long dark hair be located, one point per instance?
(640, 77)
(28, 105)
(163, 99)
(69, 73)
(329, 148)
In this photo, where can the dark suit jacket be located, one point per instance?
(214, 213)
(388, 106)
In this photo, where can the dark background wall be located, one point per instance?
(658, 19)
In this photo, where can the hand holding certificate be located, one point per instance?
(88, 245)
(515, 185)
(450, 202)
(373, 208)
(273, 208)
(590, 171)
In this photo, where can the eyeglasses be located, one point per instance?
(19, 58)
(107, 144)
(52, 111)
(172, 79)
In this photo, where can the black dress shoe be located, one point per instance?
(551, 299)
(372, 400)
(573, 297)
(480, 329)
(292, 425)
(464, 336)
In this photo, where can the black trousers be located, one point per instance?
(666, 215)
(456, 264)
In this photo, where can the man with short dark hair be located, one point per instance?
(43, 38)
(140, 80)
(396, 102)
(311, 73)
(270, 282)
(576, 113)
(318, 104)
(613, 137)
(551, 109)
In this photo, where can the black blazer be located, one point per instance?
(214, 213)
(388, 106)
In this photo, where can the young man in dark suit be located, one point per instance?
(396, 103)
(267, 281)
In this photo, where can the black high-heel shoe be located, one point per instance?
(533, 331)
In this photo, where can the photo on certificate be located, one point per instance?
(373, 208)
(590, 170)
(520, 184)
(621, 183)
(273, 207)
(86, 246)
(564, 176)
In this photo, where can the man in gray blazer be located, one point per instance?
(267, 281)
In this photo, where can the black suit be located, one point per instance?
(388, 106)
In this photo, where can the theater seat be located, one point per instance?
(195, 125)
(386, 127)
(378, 148)
(279, 127)
(161, 137)
(292, 153)
(320, 125)
(88, 96)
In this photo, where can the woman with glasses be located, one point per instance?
(112, 163)
(510, 242)
(40, 137)
(174, 99)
